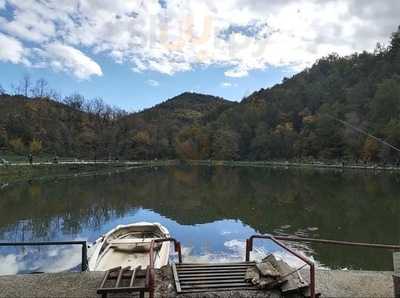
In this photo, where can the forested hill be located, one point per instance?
(300, 118)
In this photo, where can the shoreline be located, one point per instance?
(22, 171)
(17, 171)
(330, 283)
(287, 164)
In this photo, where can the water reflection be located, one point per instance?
(209, 208)
(43, 259)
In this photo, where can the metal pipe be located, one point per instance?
(249, 247)
(42, 243)
(177, 246)
(84, 265)
(335, 242)
(304, 259)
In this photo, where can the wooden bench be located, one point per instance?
(124, 280)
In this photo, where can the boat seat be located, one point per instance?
(133, 245)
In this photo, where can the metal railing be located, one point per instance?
(151, 270)
(249, 248)
(84, 264)
(278, 239)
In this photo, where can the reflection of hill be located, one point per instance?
(348, 206)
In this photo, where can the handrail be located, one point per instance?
(84, 265)
(277, 240)
(177, 246)
(249, 247)
(337, 242)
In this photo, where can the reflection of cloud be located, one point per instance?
(44, 259)
(236, 253)
(226, 233)
(61, 259)
(9, 265)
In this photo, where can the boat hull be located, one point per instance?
(129, 246)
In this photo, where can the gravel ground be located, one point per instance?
(329, 284)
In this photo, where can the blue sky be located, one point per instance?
(132, 91)
(136, 53)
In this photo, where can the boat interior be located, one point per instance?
(129, 248)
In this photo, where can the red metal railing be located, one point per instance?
(276, 239)
(249, 248)
(151, 270)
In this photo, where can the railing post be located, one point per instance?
(178, 250)
(396, 274)
(84, 257)
(249, 248)
(312, 280)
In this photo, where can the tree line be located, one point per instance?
(309, 116)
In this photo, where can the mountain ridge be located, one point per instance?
(296, 119)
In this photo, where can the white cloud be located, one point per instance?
(11, 50)
(228, 85)
(153, 83)
(240, 35)
(2, 4)
(29, 26)
(65, 58)
(236, 73)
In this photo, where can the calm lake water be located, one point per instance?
(211, 210)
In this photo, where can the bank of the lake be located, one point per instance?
(330, 283)
(16, 171)
(299, 164)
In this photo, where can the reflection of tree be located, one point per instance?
(348, 206)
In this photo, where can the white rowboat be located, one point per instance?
(129, 245)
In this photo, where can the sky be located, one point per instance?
(137, 53)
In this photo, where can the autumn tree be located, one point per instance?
(370, 150)
(35, 146)
(225, 145)
(193, 143)
(17, 146)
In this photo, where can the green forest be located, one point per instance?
(315, 115)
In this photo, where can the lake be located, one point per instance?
(211, 210)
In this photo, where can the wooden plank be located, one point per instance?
(219, 290)
(211, 274)
(133, 277)
(182, 278)
(120, 276)
(104, 279)
(212, 271)
(214, 268)
(177, 284)
(207, 282)
(294, 282)
(127, 275)
(214, 264)
(120, 290)
(212, 286)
